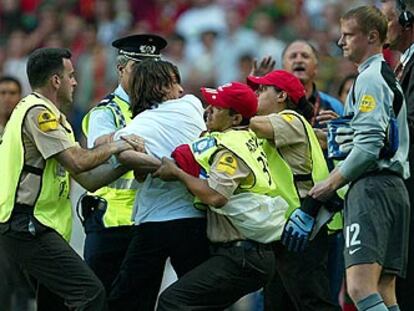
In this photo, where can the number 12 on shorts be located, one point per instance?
(351, 235)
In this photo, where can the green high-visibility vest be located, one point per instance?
(120, 194)
(52, 207)
(245, 145)
(280, 173)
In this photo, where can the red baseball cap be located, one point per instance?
(282, 80)
(234, 95)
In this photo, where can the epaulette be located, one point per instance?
(107, 99)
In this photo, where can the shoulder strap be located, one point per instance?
(392, 83)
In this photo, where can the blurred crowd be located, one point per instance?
(211, 41)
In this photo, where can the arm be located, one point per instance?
(139, 162)
(77, 160)
(198, 187)
(324, 190)
(370, 121)
(100, 176)
(262, 126)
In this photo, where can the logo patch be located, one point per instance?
(367, 103)
(287, 117)
(227, 164)
(203, 144)
(47, 121)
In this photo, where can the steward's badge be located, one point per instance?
(203, 144)
(227, 164)
(367, 103)
(287, 117)
(47, 121)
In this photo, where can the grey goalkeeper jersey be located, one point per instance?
(370, 101)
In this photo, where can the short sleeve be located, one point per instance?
(101, 122)
(44, 129)
(227, 172)
(287, 129)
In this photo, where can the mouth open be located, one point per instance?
(299, 68)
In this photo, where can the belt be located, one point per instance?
(245, 244)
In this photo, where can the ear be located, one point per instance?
(373, 36)
(282, 96)
(237, 119)
(55, 79)
(120, 68)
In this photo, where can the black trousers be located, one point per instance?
(231, 272)
(137, 285)
(405, 288)
(105, 248)
(301, 279)
(47, 259)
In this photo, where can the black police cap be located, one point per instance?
(139, 47)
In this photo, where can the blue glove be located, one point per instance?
(297, 230)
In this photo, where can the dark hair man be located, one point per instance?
(10, 93)
(37, 154)
(165, 222)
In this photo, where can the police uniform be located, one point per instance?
(107, 212)
(237, 266)
(377, 205)
(35, 209)
(298, 146)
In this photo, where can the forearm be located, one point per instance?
(200, 188)
(100, 176)
(356, 163)
(139, 162)
(78, 160)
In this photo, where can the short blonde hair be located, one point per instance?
(369, 18)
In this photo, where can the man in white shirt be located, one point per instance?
(166, 223)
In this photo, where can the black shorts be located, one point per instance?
(377, 214)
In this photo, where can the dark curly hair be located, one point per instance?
(150, 78)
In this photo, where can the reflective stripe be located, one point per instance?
(118, 113)
(123, 183)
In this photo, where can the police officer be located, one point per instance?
(377, 206)
(107, 212)
(37, 154)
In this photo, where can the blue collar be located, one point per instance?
(369, 61)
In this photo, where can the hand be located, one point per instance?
(104, 139)
(297, 231)
(325, 116)
(266, 65)
(168, 170)
(135, 141)
(322, 191)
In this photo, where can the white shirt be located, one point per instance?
(406, 56)
(171, 124)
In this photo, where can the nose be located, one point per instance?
(180, 89)
(341, 42)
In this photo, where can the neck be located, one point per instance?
(308, 89)
(404, 45)
(3, 119)
(370, 52)
(49, 94)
